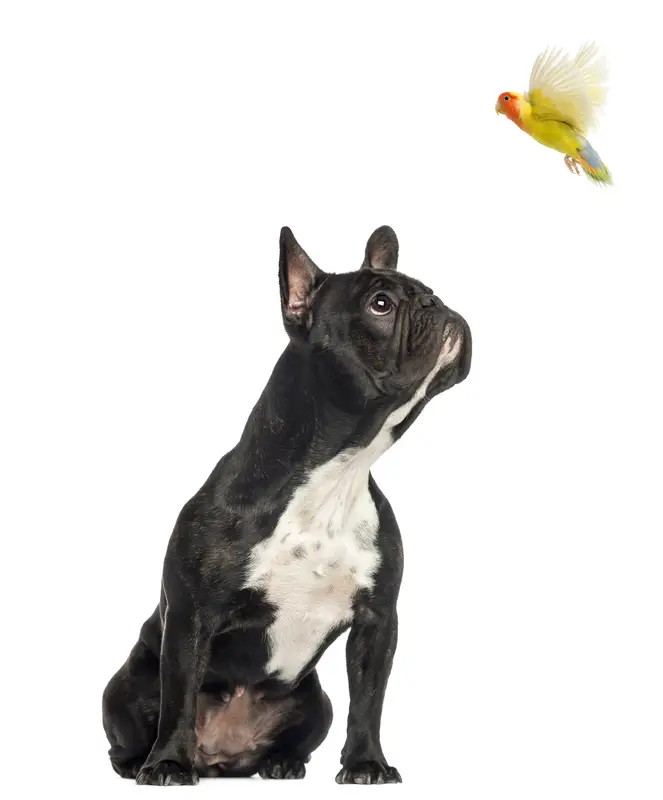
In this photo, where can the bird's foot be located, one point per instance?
(572, 165)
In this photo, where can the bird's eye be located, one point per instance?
(381, 305)
(507, 98)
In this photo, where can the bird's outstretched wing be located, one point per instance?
(566, 89)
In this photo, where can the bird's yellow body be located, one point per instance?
(550, 133)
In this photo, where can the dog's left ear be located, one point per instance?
(299, 277)
(381, 250)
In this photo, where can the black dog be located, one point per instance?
(290, 542)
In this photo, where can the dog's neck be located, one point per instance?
(298, 425)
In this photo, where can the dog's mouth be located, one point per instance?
(457, 348)
(450, 368)
(453, 363)
(452, 339)
(449, 353)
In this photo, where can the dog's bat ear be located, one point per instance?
(381, 250)
(299, 277)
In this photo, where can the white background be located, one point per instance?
(150, 154)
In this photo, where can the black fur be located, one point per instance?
(344, 370)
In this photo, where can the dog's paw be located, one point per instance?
(282, 768)
(369, 772)
(166, 773)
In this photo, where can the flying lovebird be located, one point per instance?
(561, 105)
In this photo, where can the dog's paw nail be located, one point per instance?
(369, 773)
(166, 773)
(282, 769)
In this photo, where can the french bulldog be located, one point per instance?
(289, 543)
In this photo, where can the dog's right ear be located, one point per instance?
(299, 277)
(381, 250)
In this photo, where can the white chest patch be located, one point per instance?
(322, 551)
(324, 548)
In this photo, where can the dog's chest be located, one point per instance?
(321, 553)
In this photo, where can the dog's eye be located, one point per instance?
(381, 304)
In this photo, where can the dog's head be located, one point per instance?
(375, 332)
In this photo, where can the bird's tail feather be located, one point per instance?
(592, 165)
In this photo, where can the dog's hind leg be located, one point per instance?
(293, 747)
(131, 707)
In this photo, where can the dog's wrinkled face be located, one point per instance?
(375, 330)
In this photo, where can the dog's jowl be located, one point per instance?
(290, 542)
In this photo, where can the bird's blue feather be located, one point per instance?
(590, 155)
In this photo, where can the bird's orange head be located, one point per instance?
(508, 103)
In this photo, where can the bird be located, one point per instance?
(562, 104)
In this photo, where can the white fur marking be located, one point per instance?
(323, 549)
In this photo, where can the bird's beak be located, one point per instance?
(498, 108)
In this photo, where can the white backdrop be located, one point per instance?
(150, 154)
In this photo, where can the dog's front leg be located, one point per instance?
(370, 652)
(184, 658)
